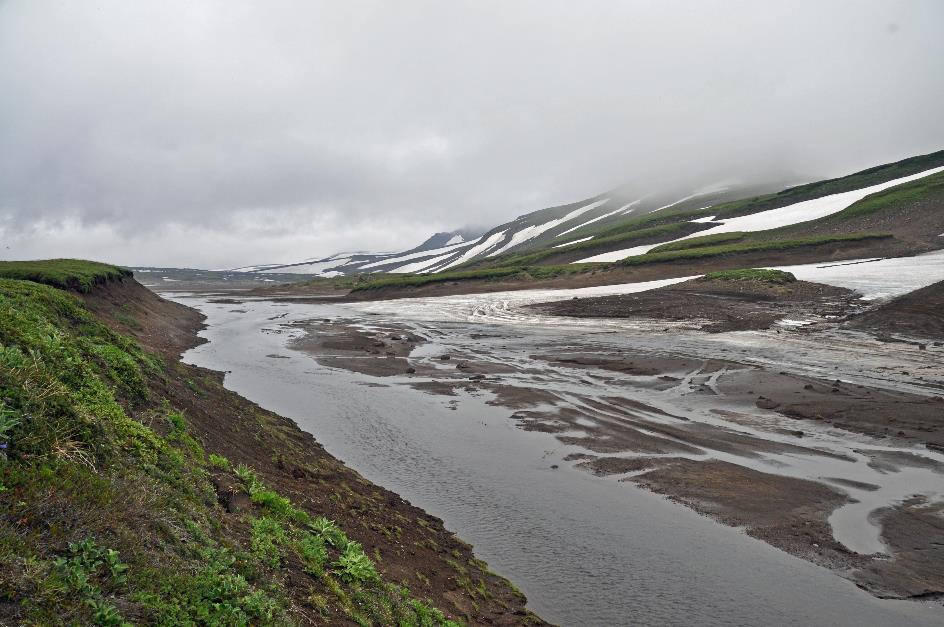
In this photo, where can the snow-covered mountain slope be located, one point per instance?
(626, 221)
(803, 211)
(554, 226)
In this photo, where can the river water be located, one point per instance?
(585, 550)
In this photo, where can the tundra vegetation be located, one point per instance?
(108, 510)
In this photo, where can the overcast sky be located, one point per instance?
(216, 134)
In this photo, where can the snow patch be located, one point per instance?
(316, 267)
(420, 266)
(530, 232)
(605, 215)
(576, 241)
(482, 246)
(422, 253)
(876, 278)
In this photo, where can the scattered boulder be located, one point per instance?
(766, 403)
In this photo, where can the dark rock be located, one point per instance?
(411, 370)
(766, 403)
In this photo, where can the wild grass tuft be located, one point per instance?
(762, 275)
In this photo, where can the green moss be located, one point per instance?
(73, 274)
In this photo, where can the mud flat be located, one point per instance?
(717, 305)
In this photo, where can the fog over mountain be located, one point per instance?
(220, 134)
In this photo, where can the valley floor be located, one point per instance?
(822, 441)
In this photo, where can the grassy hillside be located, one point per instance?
(865, 178)
(891, 198)
(115, 508)
(696, 251)
(74, 274)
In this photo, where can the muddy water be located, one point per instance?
(586, 550)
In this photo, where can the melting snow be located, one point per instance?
(308, 268)
(876, 278)
(774, 218)
(530, 232)
(482, 246)
(425, 264)
(422, 253)
(605, 215)
(576, 241)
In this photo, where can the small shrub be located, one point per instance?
(267, 536)
(312, 551)
(218, 461)
(354, 565)
(763, 275)
(330, 532)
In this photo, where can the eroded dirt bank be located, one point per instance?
(799, 461)
(413, 547)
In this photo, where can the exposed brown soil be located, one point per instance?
(715, 306)
(918, 314)
(415, 547)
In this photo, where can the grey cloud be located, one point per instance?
(153, 119)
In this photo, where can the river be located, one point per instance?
(585, 550)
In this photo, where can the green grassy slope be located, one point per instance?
(106, 519)
(865, 178)
(702, 251)
(73, 274)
